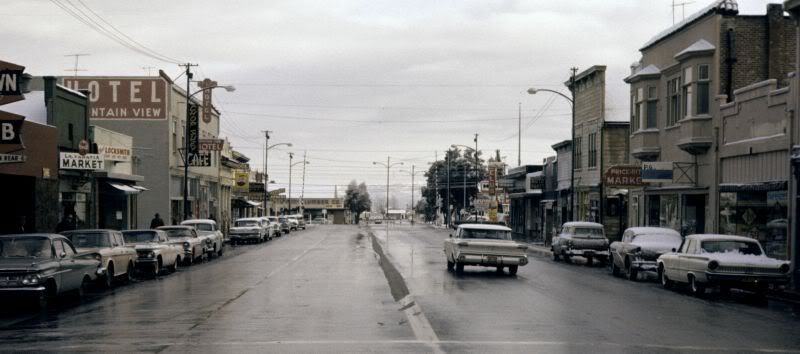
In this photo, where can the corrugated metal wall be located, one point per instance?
(764, 167)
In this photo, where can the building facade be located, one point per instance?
(684, 75)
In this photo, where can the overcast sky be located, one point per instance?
(351, 82)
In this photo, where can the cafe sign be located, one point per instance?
(623, 176)
(75, 161)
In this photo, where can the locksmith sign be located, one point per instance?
(123, 97)
(76, 161)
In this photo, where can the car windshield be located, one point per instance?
(140, 236)
(25, 247)
(200, 226)
(89, 239)
(667, 238)
(245, 223)
(725, 246)
(174, 233)
(486, 234)
(591, 232)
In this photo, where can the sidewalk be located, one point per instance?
(540, 250)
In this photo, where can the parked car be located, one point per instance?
(726, 261)
(270, 228)
(301, 222)
(43, 266)
(154, 251)
(116, 260)
(186, 237)
(639, 249)
(580, 238)
(283, 225)
(319, 221)
(293, 223)
(484, 245)
(208, 229)
(248, 230)
(286, 226)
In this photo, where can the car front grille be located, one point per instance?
(7, 280)
(748, 270)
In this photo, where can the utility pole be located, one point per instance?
(464, 188)
(413, 207)
(572, 170)
(519, 135)
(447, 197)
(477, 179)
(75, 68)
(436, 184)
(683, 9)
(291, 155)
(266, 174)
(386, 213)
(303, 188)
(186, 208)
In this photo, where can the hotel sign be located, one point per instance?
(76, 161)
(123, 98)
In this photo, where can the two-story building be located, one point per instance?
(685, 73)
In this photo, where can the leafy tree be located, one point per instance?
(356, 199)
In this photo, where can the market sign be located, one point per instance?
(114, 153)
(75, 161)
(211, 144)
(11, 158)
(623, 176)
(11, 78)
(657, 172)
(123, 98)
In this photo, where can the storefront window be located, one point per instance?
(663, 211)
(761, 215)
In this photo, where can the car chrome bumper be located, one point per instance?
(747, 278)
(22, 289)
(492, 260)
(244, 236)
(645, 265)
(587, 253)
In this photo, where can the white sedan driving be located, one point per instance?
(484, 245)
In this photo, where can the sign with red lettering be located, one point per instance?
(123, 97)
(623, 176)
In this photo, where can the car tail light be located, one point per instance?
(713, 265)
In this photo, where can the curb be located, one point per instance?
(540, 251)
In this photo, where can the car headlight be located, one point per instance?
(151, 254)
(30, 279)
(713, 265)
(208, 240)
(186, 245)
(784, 268)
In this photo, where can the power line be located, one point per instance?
(369, 121)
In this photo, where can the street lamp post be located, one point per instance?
(388, 165)
(571, 100)
(267, 146)
(413, 173)
(186, 208)
(304, 162)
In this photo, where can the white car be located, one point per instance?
(186, 237)
(117, 260)
(248, 230)
(726, 261)
(208, 229)
(154, 251)
(484, 245)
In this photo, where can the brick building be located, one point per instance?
(685, 73)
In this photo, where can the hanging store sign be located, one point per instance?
(11, 78)
(241, 182)
(11, 158)
(206, 85)
(256, 187)
(75, 161)
(193, 130)
(623, 176)
(114, 153)
(10, 128)
(123, 98)
(211, 144)
(200, 159)
(657, 172)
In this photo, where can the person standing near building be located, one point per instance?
(156, 222)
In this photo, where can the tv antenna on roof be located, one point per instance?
(683, 9)
(75, 68)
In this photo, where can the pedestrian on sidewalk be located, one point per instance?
(156, 222)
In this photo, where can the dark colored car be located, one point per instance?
(43, 266)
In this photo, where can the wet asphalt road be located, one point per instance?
(326, 289)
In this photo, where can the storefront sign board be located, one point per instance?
(75, 161)
(657, 172)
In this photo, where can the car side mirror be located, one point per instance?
(62, 254)
(673, 250)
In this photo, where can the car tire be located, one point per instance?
(450, 265)
(696, 287)
(174, 267)
(633, 273)
(221, 250)
(459, 268)
(662, 276)
(614, 268)
(81, 291)
(556, 258)
(589, 261)
(499, 270)
(46, 297)
(108, 280)
(157, 267)
(567, 259)
(724, 290)
(129, 273)
(512, 270)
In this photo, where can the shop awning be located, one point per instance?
(140, 188)
(252, 203)
(753, 187)
(124, 187)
